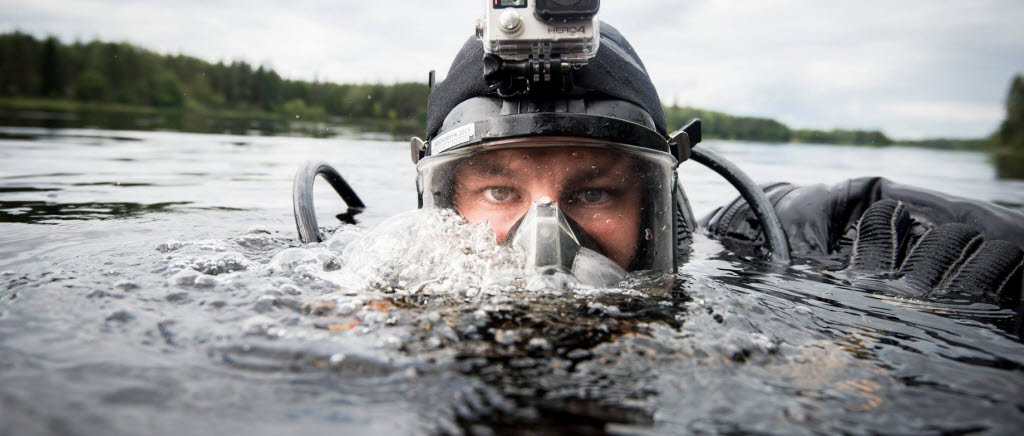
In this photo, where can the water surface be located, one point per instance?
(152, 284)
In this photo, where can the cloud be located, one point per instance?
(911, 68)
(819, 64)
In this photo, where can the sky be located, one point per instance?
(912, 68)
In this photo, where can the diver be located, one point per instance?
(587, 166)
(562, 146)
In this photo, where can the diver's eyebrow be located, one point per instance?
(593, 173)
(487, 168)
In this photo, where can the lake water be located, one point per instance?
(152, 283)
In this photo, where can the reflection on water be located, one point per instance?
(39, 212)
(201, 122)
(167, 294)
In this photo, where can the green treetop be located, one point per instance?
(1011, 133)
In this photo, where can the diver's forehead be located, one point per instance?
(522, 161)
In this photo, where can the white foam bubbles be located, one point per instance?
(425, 251)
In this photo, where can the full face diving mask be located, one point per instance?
(586, 207)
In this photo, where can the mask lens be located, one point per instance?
(617, 198)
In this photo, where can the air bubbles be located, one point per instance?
(336, 359)
(316, 260)
(255, 240)
(342, 238)
(221, 263)
(168, 246)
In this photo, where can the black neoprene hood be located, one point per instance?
(615, 71)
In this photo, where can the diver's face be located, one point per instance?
(596, 188)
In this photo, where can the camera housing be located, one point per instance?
(541, 30)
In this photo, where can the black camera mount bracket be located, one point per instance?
(544, 73)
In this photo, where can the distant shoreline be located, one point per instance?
(63, 113)
(396, 127)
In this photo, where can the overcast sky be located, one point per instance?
(912, 68)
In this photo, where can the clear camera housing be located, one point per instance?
(513, 31)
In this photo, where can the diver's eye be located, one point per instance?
(499, 194)
(591, 196)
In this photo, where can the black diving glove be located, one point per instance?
(891, 238)
(951, 261)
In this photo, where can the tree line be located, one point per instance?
(1008, 141)
(724, 126)
(123, 73)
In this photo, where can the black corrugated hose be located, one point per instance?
(302, 197)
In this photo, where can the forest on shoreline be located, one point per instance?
(49, 75)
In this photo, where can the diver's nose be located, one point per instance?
(544, 196)
(545, 200)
